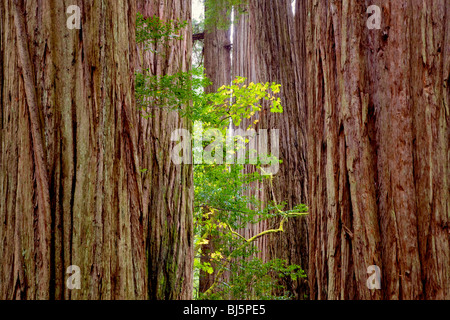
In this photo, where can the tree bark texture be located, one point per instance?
(168, 192)
(69, 179)
(378, 149)
(266, 49)
(217, 64)
(72, 147)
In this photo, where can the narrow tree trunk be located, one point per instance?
(378, 149)
(167, 188)
(217, 57)
(68, 163)
(265, 50)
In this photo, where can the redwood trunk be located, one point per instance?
(378, 149)
(217, 64)
(70, 166)
(266, 48)
(168, 192)
(69, 179)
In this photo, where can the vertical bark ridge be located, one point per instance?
(217, 64)
(38, 151)
(167, 188)
(265, 49)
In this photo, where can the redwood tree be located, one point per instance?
(73, 147)
(378, 149)
(217, 64)
(266, 49)
(69, 180)
(168, 192)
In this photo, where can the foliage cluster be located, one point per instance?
(218, 12)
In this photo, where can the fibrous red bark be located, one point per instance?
(266, 47)
(69, 179)
(378, 149)
(168, 192)
(217, 64)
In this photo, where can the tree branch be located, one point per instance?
(198, 36)
(250, 240)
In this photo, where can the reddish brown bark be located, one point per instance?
(378, 154)
(167, 188)
(69, 179)
(217, 64)
(266, 48)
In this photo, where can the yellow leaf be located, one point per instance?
(203, 241)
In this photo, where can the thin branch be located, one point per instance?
(254, 238)
(198, 36)
(247, 241)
